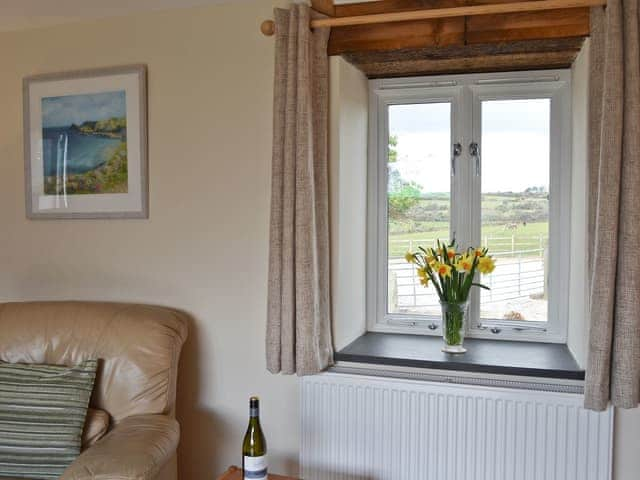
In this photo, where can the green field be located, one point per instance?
(510, 222)
(498, 239)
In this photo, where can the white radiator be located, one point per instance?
(371, 428)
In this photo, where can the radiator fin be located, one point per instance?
(356, 427)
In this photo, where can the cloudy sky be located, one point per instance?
(64, 111)
(515, 144)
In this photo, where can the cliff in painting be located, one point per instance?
(85, 144)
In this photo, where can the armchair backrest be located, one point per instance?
(138, 347)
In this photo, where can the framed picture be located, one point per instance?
(85, 144)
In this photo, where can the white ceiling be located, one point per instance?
(21, 14)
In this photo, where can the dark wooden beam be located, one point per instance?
(391, 36)
(521, 55)
(324, 6)
(450, 31)
(572, 22)
(394, 36)
(386, 6)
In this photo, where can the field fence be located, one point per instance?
(520, 272)
(499, 245)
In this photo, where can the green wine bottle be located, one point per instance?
(254, 446)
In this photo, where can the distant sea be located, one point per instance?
(84, 152)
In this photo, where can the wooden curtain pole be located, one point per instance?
(268, 26)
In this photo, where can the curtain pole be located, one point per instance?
(268, 26)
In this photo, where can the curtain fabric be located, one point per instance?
(613, 368)
(298, 336)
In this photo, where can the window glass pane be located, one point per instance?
(515, 207)
(418, 197)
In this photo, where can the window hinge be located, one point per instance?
(496, 328)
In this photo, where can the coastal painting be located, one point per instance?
(85, 144)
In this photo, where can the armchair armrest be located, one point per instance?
(136, 449)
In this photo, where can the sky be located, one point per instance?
(515, 144)
(69, 109)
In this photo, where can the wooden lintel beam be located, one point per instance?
(386, 6)
(394, 36)
(527, 26)
(324, 6)
(526, 6)
(553, 24)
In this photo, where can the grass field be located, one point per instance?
(497, 237)
(512, 221)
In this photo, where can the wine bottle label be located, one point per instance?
(255, 468)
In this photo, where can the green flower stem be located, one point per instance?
(453, 323)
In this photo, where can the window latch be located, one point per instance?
(474, 151)
(457, 151)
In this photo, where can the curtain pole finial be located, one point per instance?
(268, 28)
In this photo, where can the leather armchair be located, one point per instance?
(138, 347)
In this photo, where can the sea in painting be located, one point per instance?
(84, 144)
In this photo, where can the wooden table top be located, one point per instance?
(235, 473)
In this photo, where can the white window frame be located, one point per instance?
(465, 93)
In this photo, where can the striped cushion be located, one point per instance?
(42, 414)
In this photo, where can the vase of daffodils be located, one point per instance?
(452, 273)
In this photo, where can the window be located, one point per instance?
(484, 159)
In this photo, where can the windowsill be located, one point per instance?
(531, 359)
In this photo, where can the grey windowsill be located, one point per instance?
(531, 359)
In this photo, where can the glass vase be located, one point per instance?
(454, 319)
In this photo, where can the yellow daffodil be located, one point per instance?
(437, 265)
(464, 264)
(442, 269)
(486, 265)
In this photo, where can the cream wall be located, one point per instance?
(578, 287)
(349, 107)
(626, 445)
(204, 249)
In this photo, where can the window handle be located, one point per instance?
(474, 151)
(457, 151)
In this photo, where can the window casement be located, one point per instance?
(484, 159)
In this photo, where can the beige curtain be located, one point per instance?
(299, 324)
(613, 370)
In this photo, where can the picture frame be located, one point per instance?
(85, 144)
